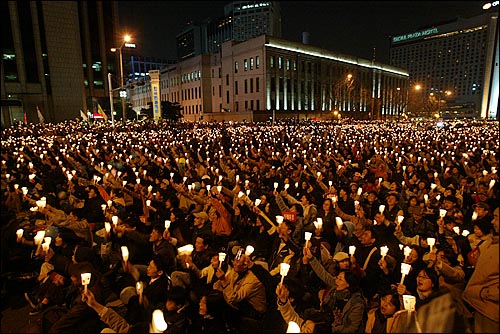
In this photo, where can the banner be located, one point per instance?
(41, 119)
(98, 109)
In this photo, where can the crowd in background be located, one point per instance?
(363, 214)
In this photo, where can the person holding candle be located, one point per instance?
(283, 249)
(244, 292)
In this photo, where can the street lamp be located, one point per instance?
(126, 39)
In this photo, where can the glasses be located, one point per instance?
(423, 276)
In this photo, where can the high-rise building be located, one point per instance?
(242, 20)
(457, 61)
(55, 55)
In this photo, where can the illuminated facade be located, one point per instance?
(55, 55)
(460, 57)
(272, 74)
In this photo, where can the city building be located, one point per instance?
(268, 74)
(242, 20)
(455, 61)
(55, 56)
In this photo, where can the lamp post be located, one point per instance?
(440, 95)
(126, 39)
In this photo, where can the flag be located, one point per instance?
(101, 112)
(84, 117)
(25, 118)
(40, 116)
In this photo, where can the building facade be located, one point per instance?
(268, 74)
(459, 58)
(55, 55)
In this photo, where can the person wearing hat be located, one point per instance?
(417, 223)
(202, 225)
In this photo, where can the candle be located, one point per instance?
(107, 226)
(249, 250)
(474, 215)
(438, 197)
(456, 229)
(158, 322)
(138, 181)
(409, 302)
(257, 202)
(19, 234)
(167, 224)
(287, 186)
(222, 256)
(431, 242)
(492, 183)
(248, 192)
(426, 198)
(381, 208)
(442, 213)
(279, 219)
(45, 247)
(318, 223)
(435, 175)
(185, 250)
(405, 270)
(356, 203)
(330, 183)
(16, 186)
(276, 185)
(352, 250)
(103, 207)
(400, 219)
(380, 180)
(47, 240)
(383, 251)
(114, 219)
(406, 251)
(150, 189)
(171, 175)
(219, 189)
(125, 253)
(86, 280)
(339, 222)
(139, 286)
(25, 190)
(39, 237)
(208, 187)
(465, 233)
(240, 194)
(284, 267)
(110, 203)
(433, 185)
(307, 236)
(293, 327)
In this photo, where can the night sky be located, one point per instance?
(350, 27)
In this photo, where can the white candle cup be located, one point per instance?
(465, 233)
(150, 189)
(318, 224)
(276, 185)
(171, 175)
(435, 175)
(167, 224)
(339, 222)
(39, 237)
(433, 186)
(190, 187)
(431, 242)
(406, 251)
(47, 240)
(356, 203)
(383, 251)
(45, 247)
(249, 250)
(381, 208)
(148, 202)
(287, 186)
(474, 215)
(138, 181)
(400, 219)
(185, 250)
(401, 247)
(125, 253)
(409, 302)
(19, 234)
(208, 187)
(103, 207)
(442, 213)
(86, 280)
(438, 197)
(284, 267)
(219, 189)
(293, 327)
(279, 219)
(114, 219)
(16, 186)
(405, 270)
(241, 194)
(426, 198)
(492, 184)
(352, 250)
(158, 322)
(124, 183)
(248, 192)
(330, 183)
(139, 287)
(110, 203)
(222, 256)
(237, 178)
(107, 226)
(307, 236)
(25, 190)
(257, 202)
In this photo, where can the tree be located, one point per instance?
(171, 110)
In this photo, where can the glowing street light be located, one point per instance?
(123, 94)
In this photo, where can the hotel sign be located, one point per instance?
(418, 34)
(155, 91)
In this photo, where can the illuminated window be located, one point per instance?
(251, 63)
(245, 64)
(257, 61)
(235, 67)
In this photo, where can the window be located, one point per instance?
(246, 105)
(258, 104)
(236, 88)
(213, 91)
(257, 89)
(257, 61)
(271, 61)
(251, 63)
(280, 62)
(251, 104)
(251, 85)
(227, 96)
(246, 86)
(235, 67)
(288, 64)
(220, 72)
(227, 79)
(237, 106)
(245, 65)
(220, 91)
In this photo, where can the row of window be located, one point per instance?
(246, 62)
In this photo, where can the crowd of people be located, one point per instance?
(307, 226)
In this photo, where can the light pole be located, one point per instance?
(126, 39)
(111, 100)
